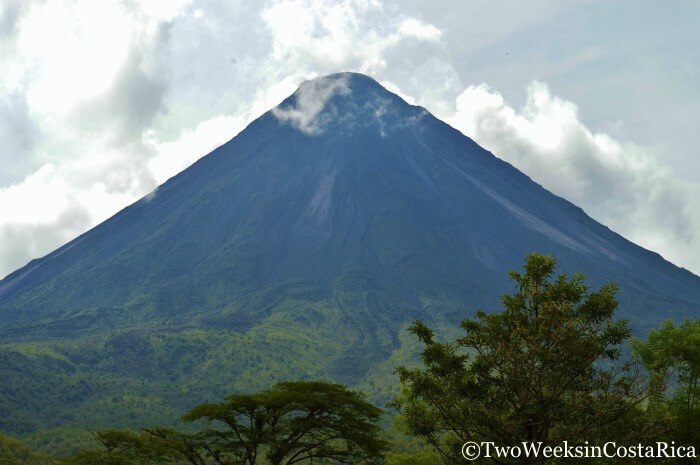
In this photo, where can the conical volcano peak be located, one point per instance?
(345, 102)
(304, 245)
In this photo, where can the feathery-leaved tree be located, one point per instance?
(290, 423)
(545, 369)
(294, 422)
(672, 353)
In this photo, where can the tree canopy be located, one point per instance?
(290, 423)
(671, 354)
(294, 422)
(546, 368)
(15, 452)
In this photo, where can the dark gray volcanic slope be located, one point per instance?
(371, 198)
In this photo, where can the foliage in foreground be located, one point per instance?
(293, 422)
(547, 368)
(673, 353)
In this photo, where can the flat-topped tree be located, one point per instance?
(292, 422)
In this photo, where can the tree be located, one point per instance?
(293, 422)
(152, 446)
(544, 369)
(673, 353)
(15, 452)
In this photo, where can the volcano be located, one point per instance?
(298, 249)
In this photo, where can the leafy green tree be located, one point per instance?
(672, 353)
(293, 422)
(545, 369)
(15, 452)
(153, 446)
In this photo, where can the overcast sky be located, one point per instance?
(101, 101)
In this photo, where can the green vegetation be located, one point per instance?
(150, 375)
(14, 452)
(545, 369)
(673, 353)
(553, 365)
(293, 422)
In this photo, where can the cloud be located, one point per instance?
(10, 13)
(58, 201)
(19, 135)
(391, 87)
(176, 155)
(411, 27)
(81, 87)
(136, 95)
(327, 35)
(37, 214)
(309, 101)
(620, 184)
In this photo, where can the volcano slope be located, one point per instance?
(299, 249)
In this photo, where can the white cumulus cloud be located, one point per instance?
(311, 98)
(620, 184)
(176, 155)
